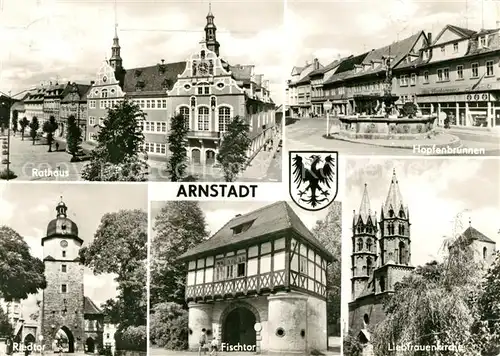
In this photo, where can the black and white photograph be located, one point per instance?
(421, 262)
(117, 90)
(404, 77)
(240, 278)
(73, 269)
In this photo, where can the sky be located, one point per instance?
(435, 191)
(219, 213)
(29, 207)
(327, 29)
(69, 39)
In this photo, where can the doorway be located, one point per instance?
(90, 345)
(239, 327)
(65, 340)
(210, 157)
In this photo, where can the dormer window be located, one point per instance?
(455, 47)
(443, 49)
(242, 227)
(140, 85)
(138, 73)
(165, 84)
(482, 41)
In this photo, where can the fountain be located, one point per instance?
(388, 123)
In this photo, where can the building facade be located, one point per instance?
(66, 313)
(33, 103)
(260, 281)
(205, 89)
(74, 103)
(298, 91)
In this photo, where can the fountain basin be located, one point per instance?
(386, 128)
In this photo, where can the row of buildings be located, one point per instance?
(205, 89)
(456, 73)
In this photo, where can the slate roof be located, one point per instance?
(153, 79)
(472, 234)
(462, 32)
(270, 219)
(345, 68)
(241, 72)
(83, 89)
(89, 307)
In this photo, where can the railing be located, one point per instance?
(203, 134)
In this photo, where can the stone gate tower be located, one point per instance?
(63, 307)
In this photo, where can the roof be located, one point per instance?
(345, 67)
(82, 92)
(242, 72)
(472, 234)
(365, 211)
(270, 219)
(394, 200)
(89, 307)
(461, 31)
(152, 79)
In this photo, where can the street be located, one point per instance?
(34, 163)
(307, 134)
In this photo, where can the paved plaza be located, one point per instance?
(307, 134)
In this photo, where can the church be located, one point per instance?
(69, 321)
(259, 284)
(381, 257)
(204, 88)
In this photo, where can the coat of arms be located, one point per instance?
(313, 178)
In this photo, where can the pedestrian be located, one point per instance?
(213, 347)
(203, 342)
(57, 146)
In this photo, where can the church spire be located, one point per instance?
(394, 199)
(116, 60)
(364, 208)
(210, 30)
(61, 209)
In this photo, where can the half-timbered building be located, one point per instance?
(259, 281)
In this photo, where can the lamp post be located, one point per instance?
(327, 106)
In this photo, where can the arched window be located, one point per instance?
(184, 111)
(203, 118)
(104, 93)
(193, 68)
(369, 265)
(369, 229)
(360, 244)
(369, 244)
(401, 229)
(401, 214)
(193, 102)
(391, 213)
(485, 253)
(224, 118)
(402, 253)
(382, 283)
(202, 54)
(211, 66)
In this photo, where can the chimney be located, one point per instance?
(92, 82)
(429, 38)
(316, 63)
(237, 215)
(162, 61)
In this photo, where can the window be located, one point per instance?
(440, 75)
(413, 79)
(460, 72)
(443, 49)
(403, 80)
(155, 148)
(64, 288)
(489, 68)
(455, 47)
(203, 118)
(303, 265)
(153, 104)
(64, 253)
(224, 118)
(485, 253)
(475, 70)
(219, 270)
(63, 268)
(91, 120)
(184, 111)
(92, 136)
(92, 104)
(104, 93)
(101, 121)
(148, 104)
(101, 104)
(446, 73)
(360, 244)
(142, 104)
(203, 89)
(163, 104)
(369, 244)
(482, 41)
(426, 77)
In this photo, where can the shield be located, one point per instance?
(313, 178)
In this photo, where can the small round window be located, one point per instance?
(112, 91)
(303, 333)
(187, 86)
(280, 332)
(104, 79)
(220, 85)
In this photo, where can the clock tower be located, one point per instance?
(63, 300)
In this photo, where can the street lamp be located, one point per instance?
(327, 106)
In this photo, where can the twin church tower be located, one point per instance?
(381, 255)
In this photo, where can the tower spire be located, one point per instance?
(394, 199)
(210, 32)
(364, 208)
(116, 60)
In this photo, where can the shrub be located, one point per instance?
(7, 175)
(133, 338)
(169, 326)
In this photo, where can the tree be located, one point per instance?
(232, 154)
(73, 137)
(434, 305)
(177, 146)
(23, 123)
(329, 232)
(169, 326)
(20, 273)
(15, 119)
(6, 328)
(34, 126)
(120, 247)
(179, 226)
(49, 127)
(120, 143)
(486, 329)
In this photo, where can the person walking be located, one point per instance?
(203, 342)
(57, 146)
(214, 346)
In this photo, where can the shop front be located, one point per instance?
(476, 109)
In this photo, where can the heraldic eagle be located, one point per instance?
(317, 178)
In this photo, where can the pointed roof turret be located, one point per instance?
(364, 208)
(394, 199)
